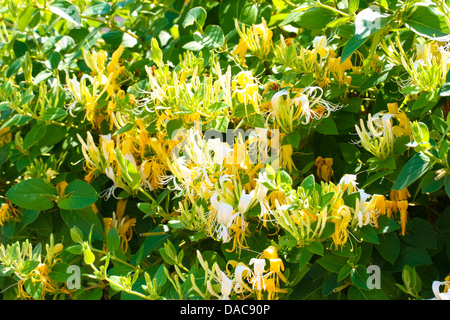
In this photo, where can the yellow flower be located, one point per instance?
(398, 195)
(5, 136)
(342, 214)
(286, 157)
(240, 51)
(257, 38)
(379, 139)
(324, 170)
(402, 206)
(276, 268)
(114, 69)
(123, 224)
(404, 124)
(245, 87)
(7, 212)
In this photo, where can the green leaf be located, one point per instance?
(445, 90)
(327, 126)
(228, 11)
(53, 114)
(33, 136)
(427, 21)
(53, 60)
(172, 126)
(355, 293)
(59, 272)
(219, 124)
(85, 220)
(368, 234)
(29, 266)
(6, 271)
(411, 256)
(212, 38)
(416, 166)
(293, 138)
(447, 185)
(331, 262)
(351, 46)
(305, 257)
(34, 289)
(315, 18)
(344, 272)
(430, 184)
(316, 247)
(80, 195)
(389, 247)
(66, 10)
(368, 21)
(359, 276)
(25, 18)
(113, 240)
(353, 5)
(34, 194)
(41, 76)
(386, 225)
(124, 129)
(195, 15)
(217, 106)
(13, 68)
(421, 234)
(20, 48)
(308, 184)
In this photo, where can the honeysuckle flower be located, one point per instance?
(379, 140)
(286, 110)
(5, 136)
(246, 201)
(240, 51)
(245, 87)
(226, 286)
(363, 215)
(348, 182)
(324, 170)
(241, 273)
(320, 45)
(7, 212)
(96, 62)
(438, 295)
(257, 38)
(402, 206)
(123, 224)
(316, 108)
(257, 279)
(220, 149)
(342, 221)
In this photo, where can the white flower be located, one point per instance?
(245, 201)
(440, 295)
(225, 214)
(258, 270)
(227, 286)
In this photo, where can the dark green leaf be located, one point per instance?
(389, 247)
(413, 170)
(81, 195)
(34, 194)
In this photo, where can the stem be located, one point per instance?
(111, 26)
(164, 213)
(115, 258)
(318, 3)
